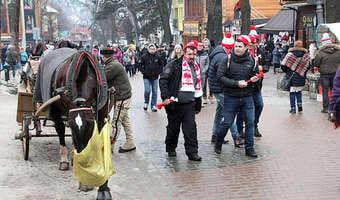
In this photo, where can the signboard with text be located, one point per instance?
(308, 20)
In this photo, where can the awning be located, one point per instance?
(283, 21)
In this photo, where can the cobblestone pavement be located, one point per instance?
(298, 159)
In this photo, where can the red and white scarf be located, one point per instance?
(227, 51)
(253, 53)
(188, 81)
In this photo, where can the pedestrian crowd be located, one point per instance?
(192, 75)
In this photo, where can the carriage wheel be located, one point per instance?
(25, 137)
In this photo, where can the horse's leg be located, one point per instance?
(104, 192)
(60, 128)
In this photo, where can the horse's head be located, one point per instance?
(81, 122)
(84, 92)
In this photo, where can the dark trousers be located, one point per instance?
(7, 68)
(326, 83)
(181, 114)
(130, 70)
(276, 66)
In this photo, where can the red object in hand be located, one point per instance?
(335, 125)
(160, 105)
(260, 75)
(315, 69)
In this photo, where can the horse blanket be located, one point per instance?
(48, 67)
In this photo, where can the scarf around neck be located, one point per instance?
(188, 84)
(298, 64)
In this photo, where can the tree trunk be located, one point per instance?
(16, 26)
(214, 25)
(164, 7)
(245, 16)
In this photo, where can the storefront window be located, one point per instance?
(28, 4)
(29, 23)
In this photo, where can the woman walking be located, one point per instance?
(296, 64)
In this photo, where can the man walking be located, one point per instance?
(118, 79)
(234, 75)
(151, 65)
(216, 57)
(11, 60)
(181, 80)
(259, 57)
(327, 60)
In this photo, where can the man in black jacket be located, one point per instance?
(151, 65)
(237, 77)
(258, 55)
(181, 80)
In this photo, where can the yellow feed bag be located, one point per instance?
(93, 165)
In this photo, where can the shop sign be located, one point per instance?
(308, 20)
(191, 29)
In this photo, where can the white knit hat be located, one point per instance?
(228, 41)
(326, 39)
(254, 33)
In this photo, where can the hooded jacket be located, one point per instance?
(151, 65)
(327, 58)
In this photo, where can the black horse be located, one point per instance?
(80, 84)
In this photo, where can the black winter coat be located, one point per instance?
(215, 57)
(170, 80)
(151, 65)
(240, 68)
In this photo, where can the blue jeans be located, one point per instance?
(232, 106)
(258, 105)
(148, 86)
(219, 116)
(295, 96)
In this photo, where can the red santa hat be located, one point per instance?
(244, 39)
(254, 33)
(192, 43)
(228, 41)
(284, 36)
(326, 39)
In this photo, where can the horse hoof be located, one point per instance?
(100, 195)
(84, 188)
(63, 166)
(107, 195)
(104, 195)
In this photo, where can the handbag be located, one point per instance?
(286, 81)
